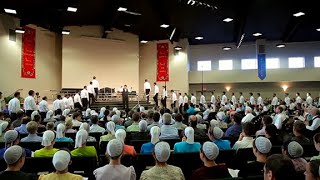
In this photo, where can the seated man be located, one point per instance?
(198, 133)
(245, 138)
(279, 167)
(167, 131)
(134, 127)
(236, 129)
(178, 122)
(279, 117)
(12, 137)
(76, 121)
(266, 120)
(248, 115)
(32, 128)
(187, 145)
(95, 126)
(22, 129)
(299, 129)
(156, 118)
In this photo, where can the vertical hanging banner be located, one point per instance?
(28, 53)
(163, 62)
(261, 58)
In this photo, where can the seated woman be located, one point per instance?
(187, 144)
(32, 128)
(33, 114)
(142, 134)
(261, 148)
(61, 128)
(48, 140)
(69, 125)
(116, 119)
(110, 126)
(49, 117)
(312, 170)
(294, 151)
(147, 148)
(4, 125)
(12, 137)
(121, 135)
(115, 170)
(86, 127)
(215, 134)
(162, 170)
(101, 113)
(208, 153)
(80, 145)
(61, 160)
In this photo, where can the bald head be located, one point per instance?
(193, 121)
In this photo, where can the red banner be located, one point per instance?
(163, 62)
(28, 53)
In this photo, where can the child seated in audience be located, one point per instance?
(266, 120)
(12, 137)
(115, 170)
(187, 145)
(50, 126)
(121, 135)
(32, 128)
(111, 132)
(4, 125)
(316, 142)
(61, 160)
(279, 167)
(48, 140)
(312, 170)
(215, 134)
(95, 125)
(147, 148)
(86, 127)
(69, 126)
(37, 119)
(76, 121)
(294, 151)
(80, 145)
(134, 127)
(61, 128)
(245, 138)
(211, 170)
(272, 135)
(22, 129)
(299, 129)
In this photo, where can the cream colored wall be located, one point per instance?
(113, 62)
(178, 66)
(48, 60)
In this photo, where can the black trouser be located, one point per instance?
(91, 99)
(185, 107)
(125, 101)
(84, 103)
(78, 105)
(164, 102)
(96, 90)
(29, 112)
(13, 116)
(180, 108)
(147, 94)
(56, 112)
(173, 104)
(43, 115)
(155, 98)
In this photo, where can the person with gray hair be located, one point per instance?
(15, 158)
(167, 131)
(11, 138)
(117, 121)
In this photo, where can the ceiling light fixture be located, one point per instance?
(199, 38)
(72, 9)
(280, 45)
(65, 32)
(122, 9)
(178, 48)
(143, 41)
(164, 25)
(257, 34)
(10, 11)
(226, 48)
(108, 31)
(318, 29)
(127, 25)
(299, 14)
(228, 20)
(19, 30)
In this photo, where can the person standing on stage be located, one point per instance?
(43, 107)
(174, 99)
(77, 101)
(14, 106)
(224, 98)
(96, 86)
(84, 97)
(193, 99)
(202, 100)
(180, 102)
(147, 89)
(30, 104)
(125, 97)
(156, 93)
(164, 97)
(90, 90)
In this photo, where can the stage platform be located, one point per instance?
(118, 104)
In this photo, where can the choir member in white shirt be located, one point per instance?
(251, 99)
(14, 106)
(173, 99)
(96, 86)
(91, 92)
(84, 97)
(180, 101)
(259, 100)
(202, 100)
(43, 107)
(77, 101)
(147, 89)
(193, 99)
(233, 99)
(70, 102)
(279, 117)
(65, 101)
(30, 104)
(298, 98)
(58, 104)
(164, 97)
(274, 101)
(309, 99)
(120, 89)
(241, 98)
(185, 102)
(213, 98)
(287, 99)
(224, 98)
(156, 94)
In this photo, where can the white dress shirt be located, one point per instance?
(90, 89)
(65, 101)
(251, 100)
(43, 106)
(14, 105)
(246, 142)
(202, 99)
(259, 101)
(70, 102)
(247, 118)
(96, 128)
(224, 99)
(164, 93)
(156, 89)
(292, 106)
(309, 100)
(30, 104)
(77, 98)
(193, 100)
(315, 124)
(278, 119)
(147, 86)
(213, 99)
(95, 83)
(287, 101)
(84, 94)
(234, 100)
(274, 101)
(241, 99)
(298, 99)
(185, 100)
(58, 104)
(180, 100)
(174, 97)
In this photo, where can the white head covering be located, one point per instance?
(88, 112)
(3, 126)
(85, 126)
(65, 112)
(143, 125)
(33, 114)
(49, 114)
(81, 138)
(13, 154)
(61, 160)
(295, 150)
(214, 123)
(162, 151)
(199, 118)
(142, 109)
(47, 138)
(118, 113)
(114, 148)
(111, 127)
(60, 130)
(221, 115)
(249, 109)
(155, 133)
(93, 113)
(10, 136)
(263, 145)
(121, 135)
(217, 133)
(210, 150)
(102, 110)
(189, 133)
(114, 109)
(115, 118)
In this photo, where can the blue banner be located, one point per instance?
(262, 69)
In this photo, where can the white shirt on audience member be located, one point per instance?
(246, 142)
(241, 99)
(95, 83)
(224, 99)
(156, 89)
(287, 101)
(259, 101)
(90, 89)
(202, 99)
(30, 104)
(247, 118)
(292, 106)
(174, 97)
(193, 100)
(96, 128)
(278, 119)
(180, 100)
(315, 124)
(43, 106)
(77, 99)
(14, 105)
(84, 94)
(274, 101)
(234, 99)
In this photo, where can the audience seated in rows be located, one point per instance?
(50, 126)
(245, 138)
(32, 128)
(198, 133)
(248, 115)
(69, 125)
(48, 140)
(299, 130)
(76, 121)
(127, 149)
(18, 121)
(187, 145)
(82, 150)
(147, 148)
(117, 121)
(273, 135)
(279, 167)
(12, 137)
(178, 122)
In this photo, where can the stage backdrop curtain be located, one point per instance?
(163, 62)
(28, 53)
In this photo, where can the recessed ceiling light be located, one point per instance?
(280, 45)
(122, 9)
(127, 25)
(318, 29)
(199, 38)
(228, 20)
(257, 34)
(143, 41)
(19, 30)
(65, 32)
(226, 48)
(164, 25)
(10, 11)
(299, 14)
(178, 48)
(72, 9)
(108, 31)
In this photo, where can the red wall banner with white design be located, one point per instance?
(28, 53)
(163, 62)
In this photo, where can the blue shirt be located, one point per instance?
(119, 127)
(223, 144)
(191, 111)
(147, 148)
(234, 131)
(64, 139)
(28, 152)
(22, 129)
(32, 138)
(168, 132)
(184, 147)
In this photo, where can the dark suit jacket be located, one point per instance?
(125, 93)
